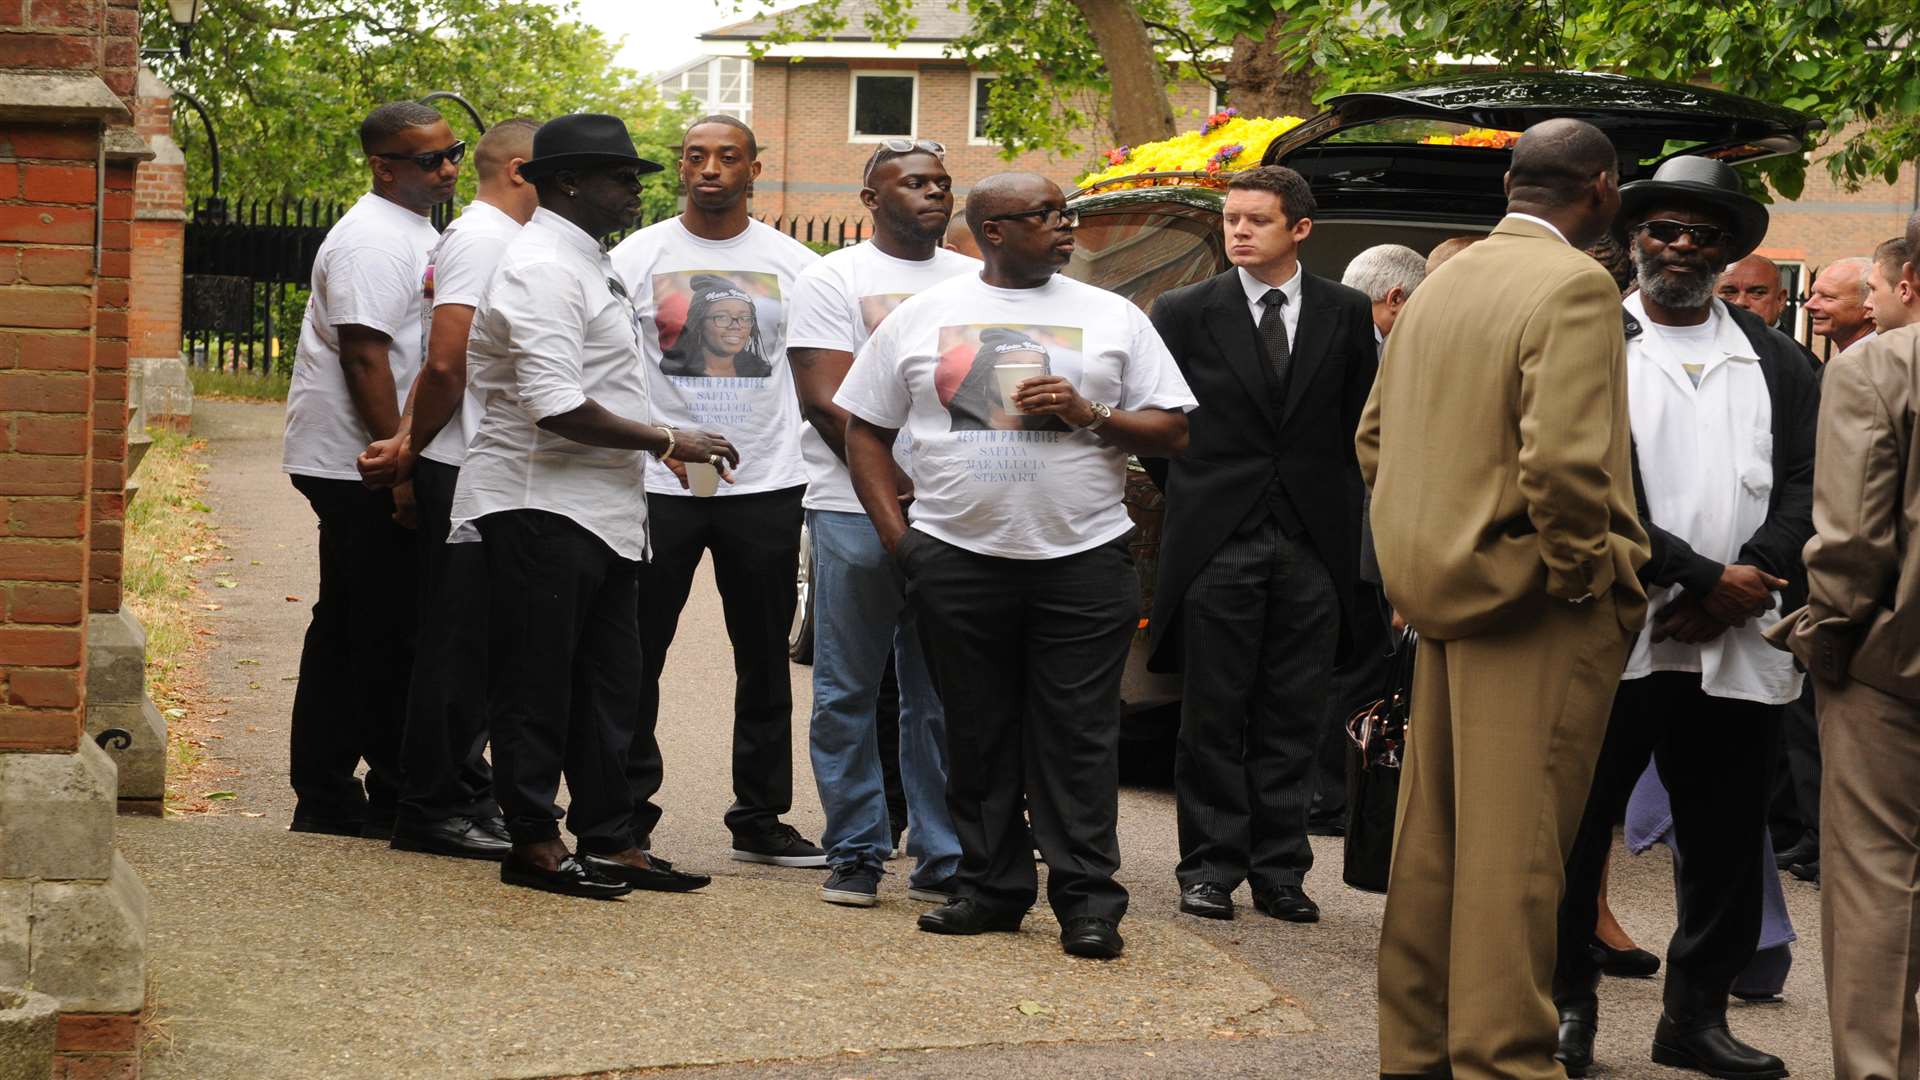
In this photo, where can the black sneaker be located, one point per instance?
(937, 893)
(856, 885)
(780, 845)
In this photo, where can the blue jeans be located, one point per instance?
(859, 614)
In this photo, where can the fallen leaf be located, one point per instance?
(189, 558)
(255, 562)
(251, 813)
(202, 507)
(289, 678)
(1032, 1008)
(293, 599)
(219, 795)
(177, 714)
(247, 660)
(226, 583)
(253, 686)
(210, 607)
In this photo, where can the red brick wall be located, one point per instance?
(1827, 222)
(800, 117)
(159, 232)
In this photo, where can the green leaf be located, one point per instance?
(220, 796)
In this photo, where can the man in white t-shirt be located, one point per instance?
(360, 346)
(446, 798)
(711, 288)
(859, 598)
(1023, 393)
(1723, 411)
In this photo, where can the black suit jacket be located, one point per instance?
(1236, 442)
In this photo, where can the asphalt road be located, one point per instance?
(295, 956)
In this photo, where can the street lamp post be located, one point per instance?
(184, 14)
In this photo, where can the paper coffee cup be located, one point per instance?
(1011, 376)
(702, 479)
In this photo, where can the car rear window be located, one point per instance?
(1144, 253)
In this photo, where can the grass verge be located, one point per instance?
(168, 535)
(239, 385)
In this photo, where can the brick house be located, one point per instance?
(819, 108)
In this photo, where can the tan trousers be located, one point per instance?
(1501, 748)
(1870, 879)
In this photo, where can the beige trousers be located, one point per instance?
(1502, 742)
(1870, 879)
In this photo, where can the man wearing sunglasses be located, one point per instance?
(1723, 410)
(361, 343)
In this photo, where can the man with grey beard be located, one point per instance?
(1723, 411)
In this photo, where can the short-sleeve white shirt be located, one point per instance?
(985, 479)
(462, 265)
(370, 271)
(837, 303)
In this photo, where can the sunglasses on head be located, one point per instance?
(431, 160)
(905, 146)
(1051, 217)
(1668, 231)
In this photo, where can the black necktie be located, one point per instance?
(1273, 330)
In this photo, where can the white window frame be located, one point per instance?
(973, 107)
(853, 102)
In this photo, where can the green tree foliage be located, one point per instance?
(287, 82)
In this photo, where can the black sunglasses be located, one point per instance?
(431, 160)
(1668, 231)
(1051, 217)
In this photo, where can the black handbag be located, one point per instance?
(1376, 739)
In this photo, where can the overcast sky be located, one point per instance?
(662, 34)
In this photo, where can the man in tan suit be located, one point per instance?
(1859, 636)
(1497, 448)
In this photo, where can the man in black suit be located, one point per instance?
(1259, 559)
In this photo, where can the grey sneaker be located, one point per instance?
(937, 893)
(780, 845)
(853, 886)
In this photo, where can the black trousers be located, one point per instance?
(1714, 757)
(1801, 739)
(1260, 625)
(351, 703)
(563, 659)
(1027, 657)
(886, 726)
(442, 757)
(755, 541)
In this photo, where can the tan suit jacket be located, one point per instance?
(1496, 441)
(1862, 618)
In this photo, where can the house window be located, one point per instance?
(885, 105)
(718, 84)
(977, 115)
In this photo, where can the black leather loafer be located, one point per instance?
(570, 878)
(1578, 1025)
(495, 825)
(326, 826)
(1092, 937)
(963, 916)
(1713, 1050)
(1207, 899)
(456, 838)
(1625, 963)
(657, 876)
(1288, 902)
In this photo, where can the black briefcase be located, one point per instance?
(1376, 738)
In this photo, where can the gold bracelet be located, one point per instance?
(671, 443)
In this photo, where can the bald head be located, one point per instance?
(1754, 283)
(1555, 162)
(960, 235)
(503, 142)
(1005, 193)
(1448, 248)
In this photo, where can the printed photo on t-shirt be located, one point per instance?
(875, 308)
(981, 364)
(715, 324)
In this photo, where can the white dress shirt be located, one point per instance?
(1706, 460)
(1543, 223)
(1289, 311)
(551, 333)
(1870, 335)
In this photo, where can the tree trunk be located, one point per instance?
(1140, 111)
(1258, 83)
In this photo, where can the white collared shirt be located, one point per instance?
(1869, 336)
(1543, 223)
(1289, 311)
(463, 264)
(550, 334)
(1703, 428)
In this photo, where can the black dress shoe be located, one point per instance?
(570, 878)
(456, 837)
(325, 826)
(1806, 871)
(495, 825)
(1805, 849)
(657, 876)
(1207, 899)
(963, 916)
(1288, 902)
(1578, 1024)
(1092, 937)
(1712, 1049)
(1624, 963)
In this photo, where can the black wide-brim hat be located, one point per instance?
(583, 141)
(1702, 180)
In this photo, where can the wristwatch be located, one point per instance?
(1101, 414)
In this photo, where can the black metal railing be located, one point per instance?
(249, 265)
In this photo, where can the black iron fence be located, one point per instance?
(248, 267)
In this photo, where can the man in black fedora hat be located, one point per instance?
(1723, 411)
(552, 485)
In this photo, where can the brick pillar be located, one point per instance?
(66, 179)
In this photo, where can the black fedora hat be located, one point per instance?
(1698, 179)
(582, 141)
